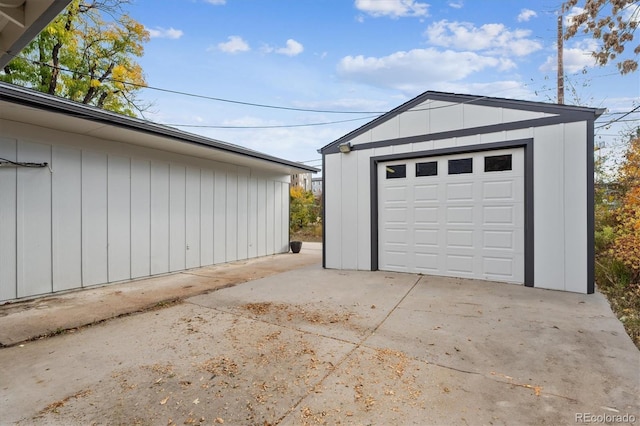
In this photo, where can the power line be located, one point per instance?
(204, 126)
(619, 118)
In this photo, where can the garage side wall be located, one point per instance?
(106, 212)
(560, 201)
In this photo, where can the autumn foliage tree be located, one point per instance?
(626, 244)
(611, 21)
(303, 208)
(87, 54)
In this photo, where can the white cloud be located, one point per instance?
(491, 38)
(574, 59)
(392, 8)
(216, 2)
(415, 70)
(568, 17)
(526, 14)
(234, 45)
(293, 48)
(160, 32)
(456, 4)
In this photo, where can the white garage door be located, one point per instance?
(457, 215)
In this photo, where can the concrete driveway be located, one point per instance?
(314, 346)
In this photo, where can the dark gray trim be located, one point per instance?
(32, 30)
(494, 128)
(42, 101)
(527, 144)
(563, 111)
(591, 256)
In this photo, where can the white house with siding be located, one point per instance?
(466, 186)
(92, 197)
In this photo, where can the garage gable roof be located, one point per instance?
(564, 113)
(31, 107)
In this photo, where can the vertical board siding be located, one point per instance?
(140, 218)
(159, 218)
(206, 217)
(193, 218)
(8, 241)
(177, 216)
(94, 218)
(252, 227)
(332, 211)
(219, 218)
(232, 217)
(119, 218)
(261, 206)
(270, 217)
(349, 212)
(66, 202)
(34, 221)
(243, 216)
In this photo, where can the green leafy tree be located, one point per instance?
(611, 21)
(86, 54)
(303, 208)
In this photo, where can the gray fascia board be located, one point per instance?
(33, 30)
(34, 99)
(557, 109)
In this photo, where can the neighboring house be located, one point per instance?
(302, 180)
(316, 186)
(466, 186)
(92, 197)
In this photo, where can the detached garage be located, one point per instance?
(466, 186)
(91, 197)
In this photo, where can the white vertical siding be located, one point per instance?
(110, 213)
(8, 241)
(119, 218)
(364, 220)
(94, 218)
(231, 228)
(243, 215)
(206, 217)
(575, 202)
(66, 215)
(177, 200)
(333, 184)
(140, 218)
(159, 218)
(549, 207)
(349, 212)
(34, 221)
(193, 217)
(219, 218)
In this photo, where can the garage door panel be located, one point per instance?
(498, 215)
(460, 215)
(426, 215)
(461, 225)
(459, 264)
(498, 190)
(498, 239)
(424, 192)
(426, 237)
(459, 191)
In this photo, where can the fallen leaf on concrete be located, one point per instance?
(218, 420)
(164, 401)
(196, 401)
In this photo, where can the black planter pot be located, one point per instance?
(295, 246)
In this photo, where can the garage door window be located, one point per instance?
(460, 166)
(497, 163)
(427, 169)
(397, 171)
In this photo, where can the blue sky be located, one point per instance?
(359, 57)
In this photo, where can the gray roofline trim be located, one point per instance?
(471, 131)
(561, 110)
(43, 101)
(33, 30)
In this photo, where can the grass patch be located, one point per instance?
(623, 292)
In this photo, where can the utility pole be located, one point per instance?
(560, 62)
